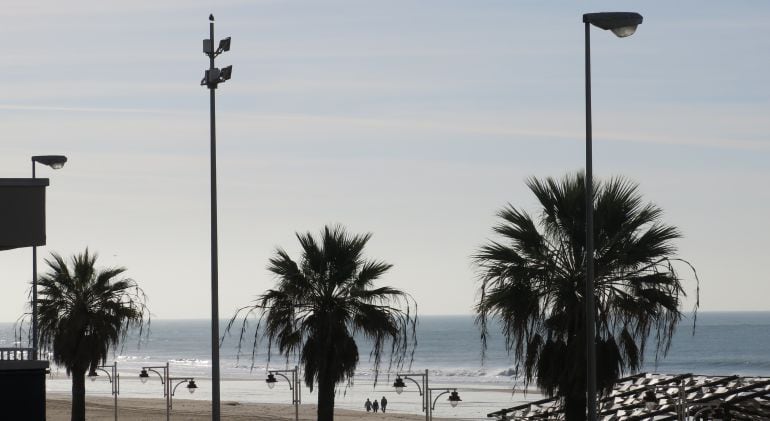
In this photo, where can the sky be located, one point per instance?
(415, 121)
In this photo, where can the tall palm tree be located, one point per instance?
(320, 304)
(533, 283)
(83, 312)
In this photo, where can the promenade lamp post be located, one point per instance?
(424, 389)
(211, 79)
(56, 162)
(622, 24)
(399, 385)
(294, 386)
(169, 383)
(114, 379)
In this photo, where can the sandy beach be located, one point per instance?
(131, 409)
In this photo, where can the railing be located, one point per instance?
(15, 354)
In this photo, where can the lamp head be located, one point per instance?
(226, 73)
(191, 386)
(54, 161)
(144, 376)
(271, 380)
(92, 374)
(224, 45)
(454, 399)
(622, 24)
(399, 385)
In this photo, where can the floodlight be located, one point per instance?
(224, 45)
(226, 73)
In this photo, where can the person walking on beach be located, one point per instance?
(368, 405)
(383, 404)
(375, 406)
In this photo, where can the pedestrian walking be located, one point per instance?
(368, 405)
(383, 404)
(375, 405)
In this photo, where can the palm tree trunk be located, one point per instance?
(575, 408)
(78, 394)
(325, 397)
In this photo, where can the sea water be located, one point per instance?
(447, 346)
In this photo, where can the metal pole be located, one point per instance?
(167, 381)
(115, 389)
(589, 293)
(34, 291)
(426, 394)
(215, 415)
(296, 393)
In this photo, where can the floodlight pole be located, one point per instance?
(215, 414)
(215, 402)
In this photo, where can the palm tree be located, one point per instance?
(322, 303)
(533, 283)
(82, 313)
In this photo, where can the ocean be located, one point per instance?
(448, 346)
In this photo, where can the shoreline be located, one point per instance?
(100, 408)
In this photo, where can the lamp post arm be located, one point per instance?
(162, 378)
(444, 392)
(280, 373)
(407, 377)
(109, 375)
(181, 380)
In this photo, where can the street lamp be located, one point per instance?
(454, 397)
(621, 24)
(114, 379)
(399, 385)
(426, 392)
(56, 162)
(211, 79)
(170, 384)
(294, 386)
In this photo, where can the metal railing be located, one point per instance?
(16, 354)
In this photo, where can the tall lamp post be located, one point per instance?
(56, 162)
(169, 384)
(114, 379)
(294, 386)
(211, 79)
(622, 24)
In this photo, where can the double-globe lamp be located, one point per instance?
(399, 385)
(191, 386)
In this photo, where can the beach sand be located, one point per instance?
(130, 409)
